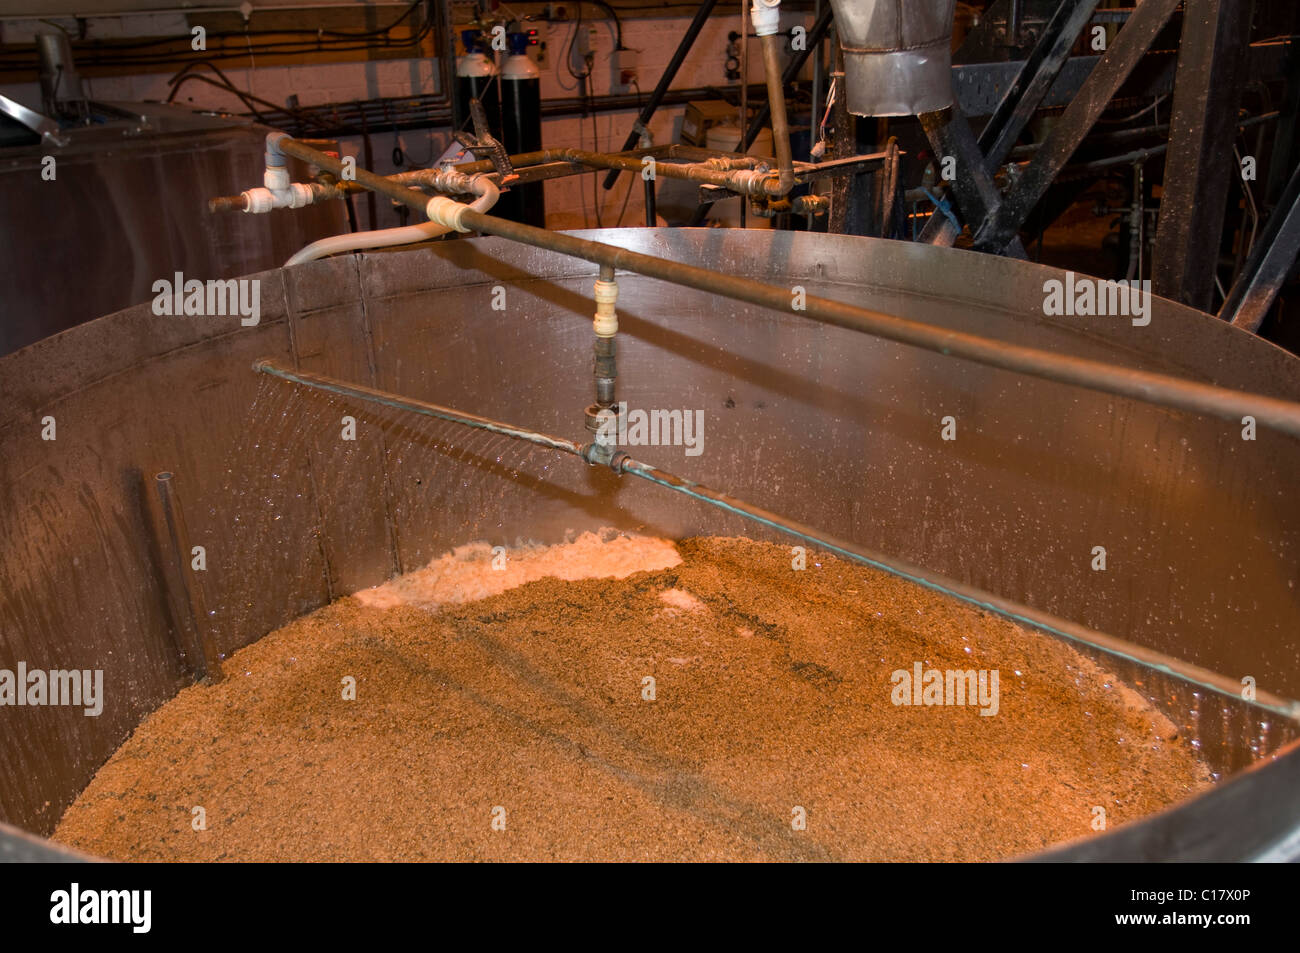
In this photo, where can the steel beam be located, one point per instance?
(1092, 100)
(1036, 77)
(1269, 264)
(1020, 102)
(851, 205)
(665, 81)
(1199, 166)
(977, 196)
(887, 199)
(1286, 139)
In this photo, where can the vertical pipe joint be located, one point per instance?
(776, 103)
(606, 293)
(276, 178)
(602, 416)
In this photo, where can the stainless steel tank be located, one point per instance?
(833, 428)
(124, 204)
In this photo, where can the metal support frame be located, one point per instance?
(850, 195)
(1198, 167)
(651, 213)
(888, 198)
(1269, 264)
(977, 195)
(1094, 96)
(665, 81)
(1019, 104)
(1286, 139)
(1036, 77)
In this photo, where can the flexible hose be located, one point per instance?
(379, 238)
(487, 195)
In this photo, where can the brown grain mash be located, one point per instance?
(772, 693)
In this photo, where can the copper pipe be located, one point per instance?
(1161, 389)
(736, 174)
(523, 160)
(780, 121)
(750, 182)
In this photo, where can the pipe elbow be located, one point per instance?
(486, 191)
(776, 184)
(275, 156)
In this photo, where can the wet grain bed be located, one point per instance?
(514, 725)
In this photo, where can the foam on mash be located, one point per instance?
(466, 574)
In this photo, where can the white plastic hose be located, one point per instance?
(405, 235)
(448, 212)
(379, 238)
(487, 194)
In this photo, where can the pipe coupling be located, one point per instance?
(295, 195)
(766, 16)
(276, 177)
(449, 181)
(606, 323)
(752, 182)
(446, 212)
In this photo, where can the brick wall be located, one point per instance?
(570, 202)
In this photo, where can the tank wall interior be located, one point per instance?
(836, 429)
(124, 210)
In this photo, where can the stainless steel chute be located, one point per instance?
(897, 55)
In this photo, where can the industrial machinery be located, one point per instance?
(1161, 429)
